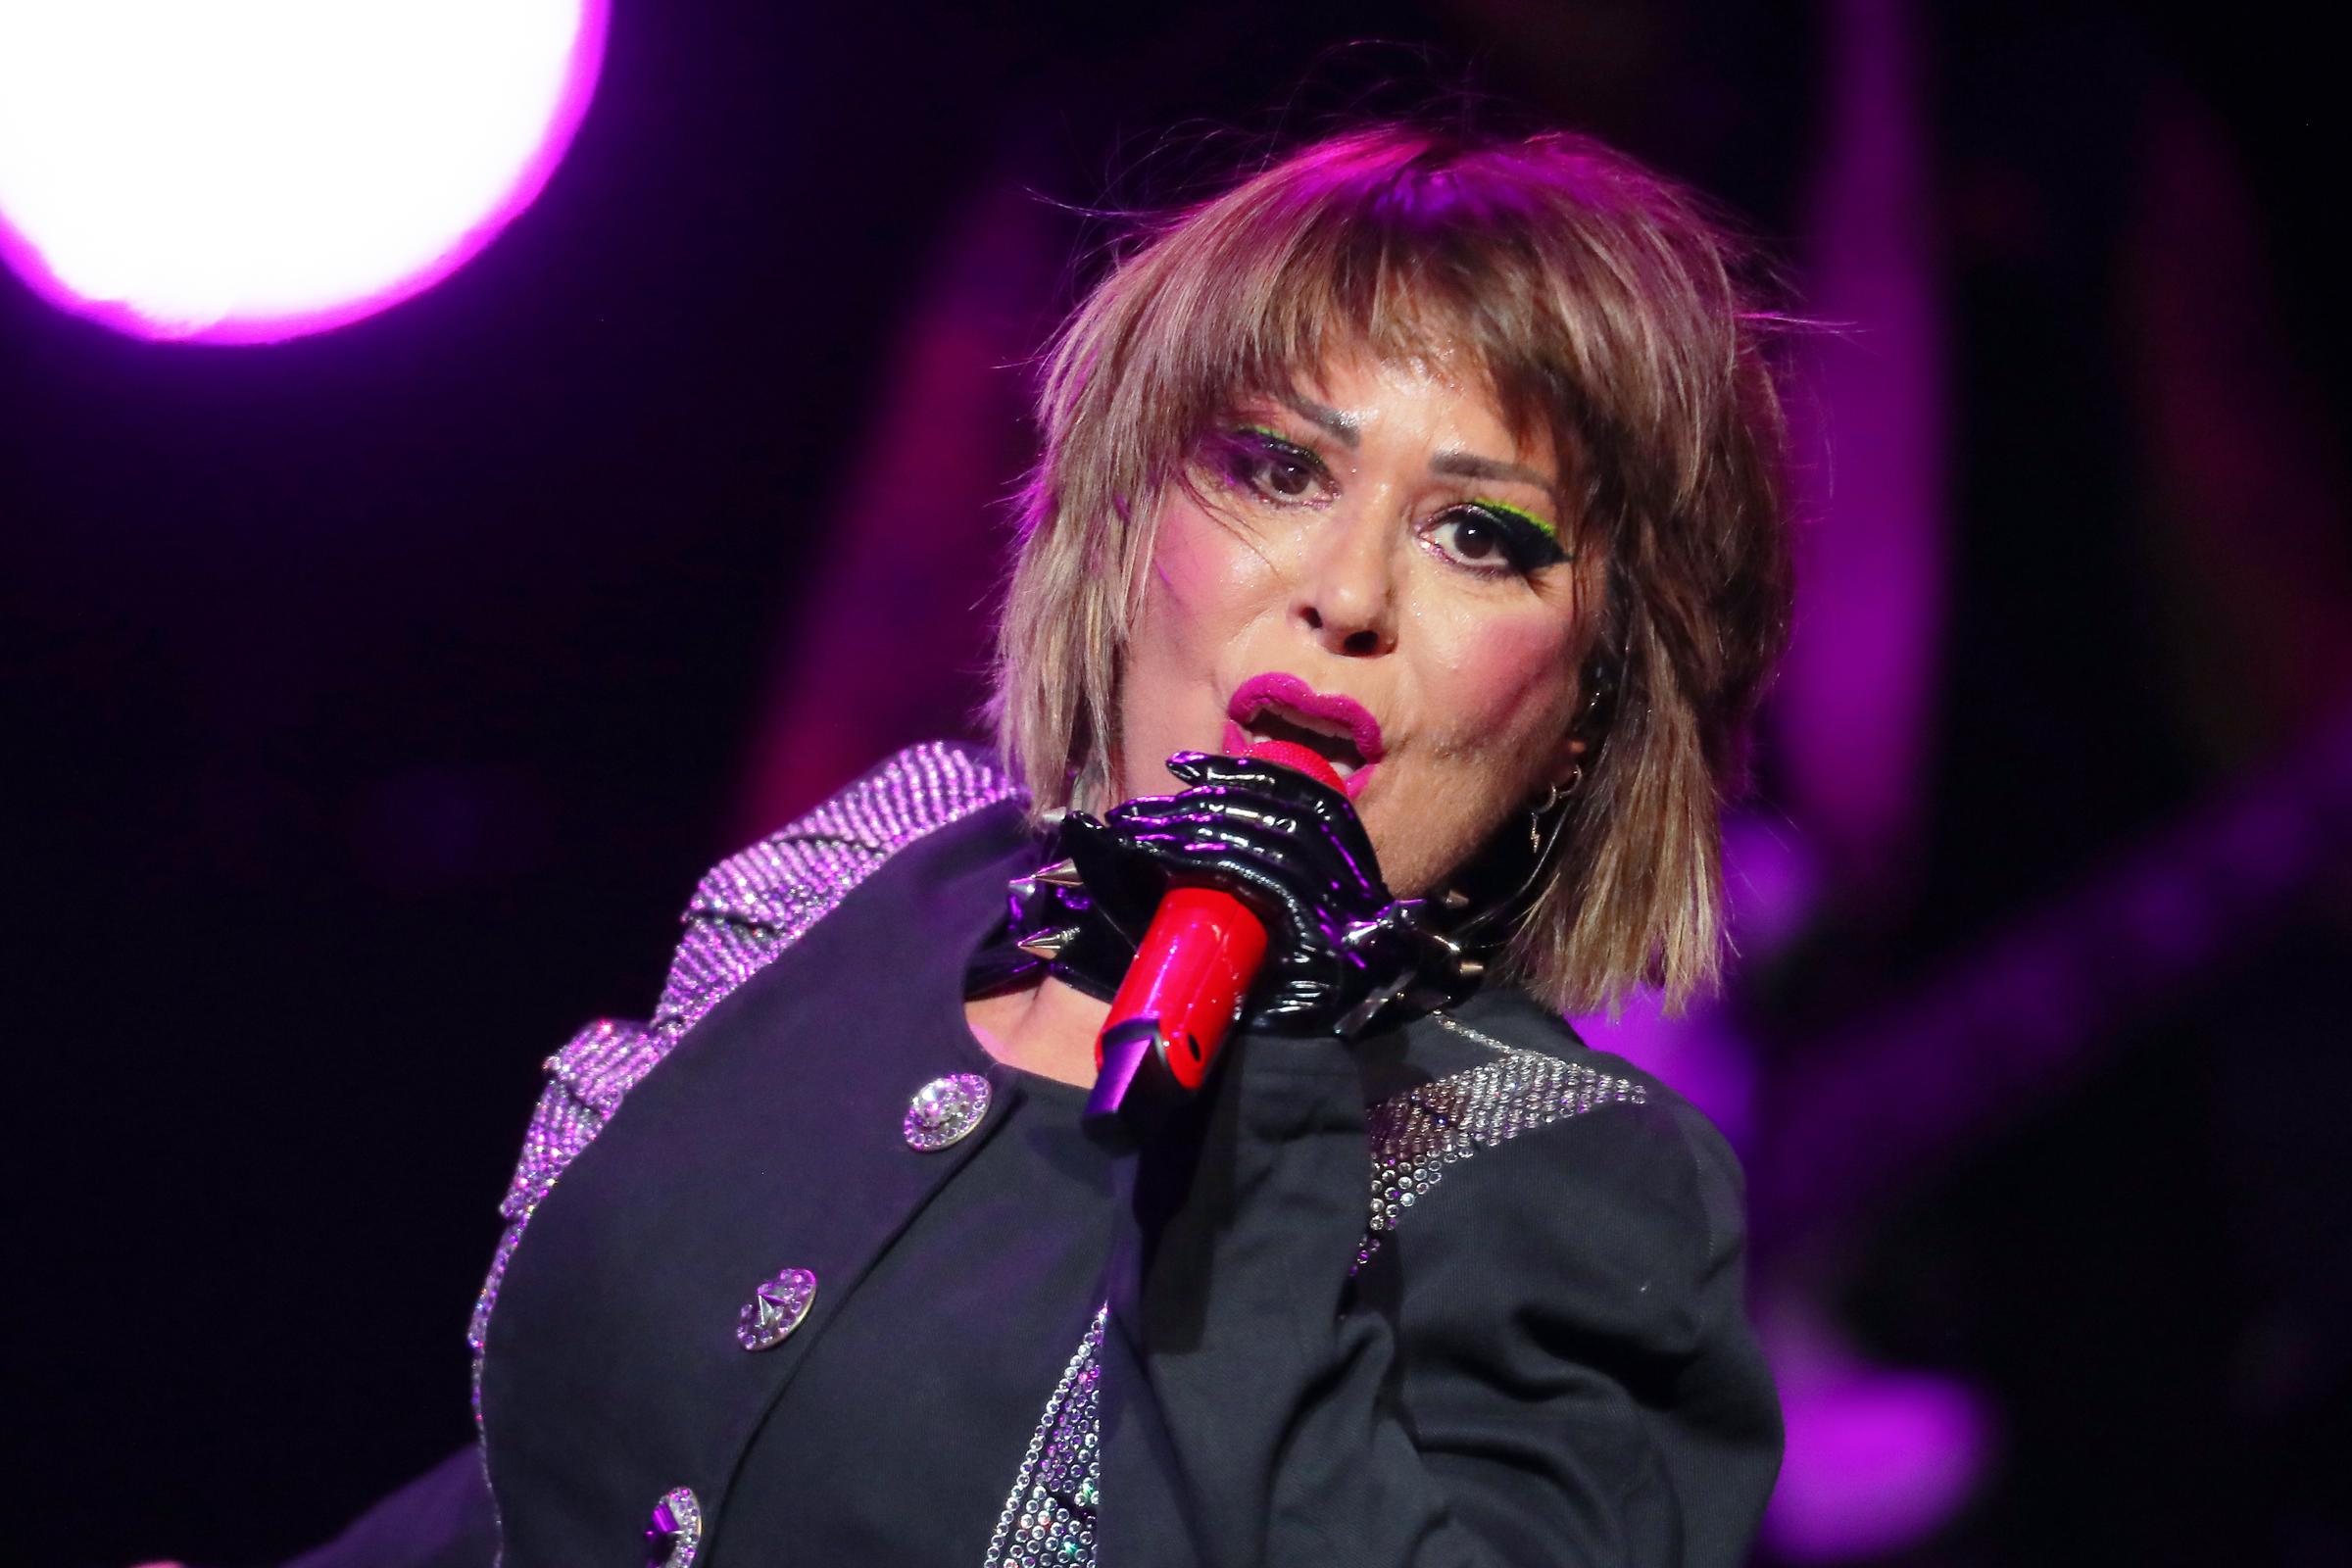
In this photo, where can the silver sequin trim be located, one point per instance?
(746, 911)
(1417, 1134)
(1049, 1520)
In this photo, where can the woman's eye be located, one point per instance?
(1494, 541)
(1286, 476)
(1472, 538)
(1260, 461)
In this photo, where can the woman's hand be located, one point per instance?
(1342, 951)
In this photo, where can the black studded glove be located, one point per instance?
(1343, 951)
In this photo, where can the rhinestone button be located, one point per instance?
(946, 1109)
(775, 1310)
(674, 1533)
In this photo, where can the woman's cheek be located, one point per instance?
(1504, 678)
(1202, 575)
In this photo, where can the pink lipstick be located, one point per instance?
(1336, 722)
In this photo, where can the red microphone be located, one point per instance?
(1184, 989)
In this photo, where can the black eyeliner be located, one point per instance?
(1529, 545)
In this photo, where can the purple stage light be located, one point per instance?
(247, 170)
(1878, 1461)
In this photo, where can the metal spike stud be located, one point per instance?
(1061, 875)
(1023, 887)
(1469, 968)
(1048, 945)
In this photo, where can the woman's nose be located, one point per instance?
(1346, 585)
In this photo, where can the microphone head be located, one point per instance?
(1292, 755)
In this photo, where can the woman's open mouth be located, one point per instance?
(1275, 706)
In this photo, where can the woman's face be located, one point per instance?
(1372, 565)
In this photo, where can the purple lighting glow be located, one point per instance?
(246, 171)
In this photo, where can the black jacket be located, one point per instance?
(1465, 1293)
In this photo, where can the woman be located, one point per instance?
(1457, 463)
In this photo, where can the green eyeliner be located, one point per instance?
(1548, 530)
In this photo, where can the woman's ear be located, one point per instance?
(1586, 732)
(1567, 768)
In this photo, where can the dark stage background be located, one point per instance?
(372, 699)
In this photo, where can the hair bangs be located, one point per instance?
(1364, 250)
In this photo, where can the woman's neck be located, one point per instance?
(1047, 1029)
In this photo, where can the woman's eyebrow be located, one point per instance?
(1342, 427)
(1470, 465)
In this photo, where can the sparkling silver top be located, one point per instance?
(1050, 1516)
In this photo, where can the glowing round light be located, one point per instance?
(244, 171)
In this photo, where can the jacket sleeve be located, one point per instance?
(1551, 1364)
(442, 1519)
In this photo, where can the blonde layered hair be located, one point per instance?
(1604, 308)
